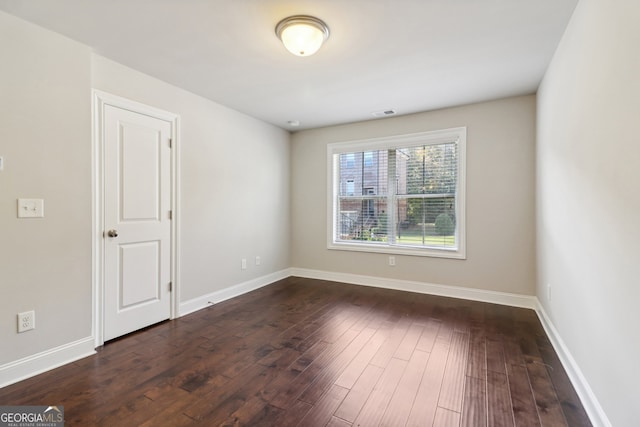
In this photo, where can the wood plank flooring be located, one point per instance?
(314, 353)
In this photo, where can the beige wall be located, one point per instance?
(234, 183)
(45, 139)
(234, 186)
(588, 224)
(500, 199)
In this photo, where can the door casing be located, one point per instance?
(100, 100)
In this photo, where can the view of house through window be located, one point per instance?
(405, 195)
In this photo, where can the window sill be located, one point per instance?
(398, 250)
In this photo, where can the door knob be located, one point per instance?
(112, 233)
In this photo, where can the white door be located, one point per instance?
(137, 224)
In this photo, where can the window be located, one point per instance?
(350, 160)
(404, 196)
(351, 187)
(368, 158)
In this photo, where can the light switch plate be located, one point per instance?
(1, 163)
(30, 208)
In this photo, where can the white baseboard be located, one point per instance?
(30, 366)
(503, 298)
(591, 405)
(204, 301)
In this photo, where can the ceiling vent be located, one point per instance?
(384, 113)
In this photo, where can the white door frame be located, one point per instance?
(100, 100)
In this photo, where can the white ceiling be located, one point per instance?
(406, 55)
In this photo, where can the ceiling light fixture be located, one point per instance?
(302, 35)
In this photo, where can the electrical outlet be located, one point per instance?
(26, 321)
(392, 261)
(258, 260)
(30, 208)
(243, 263)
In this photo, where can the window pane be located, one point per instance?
(363, 174)
(427, 176)
(425, 221)
(430, 169)
(363, 219)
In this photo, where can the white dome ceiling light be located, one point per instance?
(302, 35)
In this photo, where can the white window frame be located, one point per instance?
(453, 135)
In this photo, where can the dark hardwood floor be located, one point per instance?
(314, 353)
